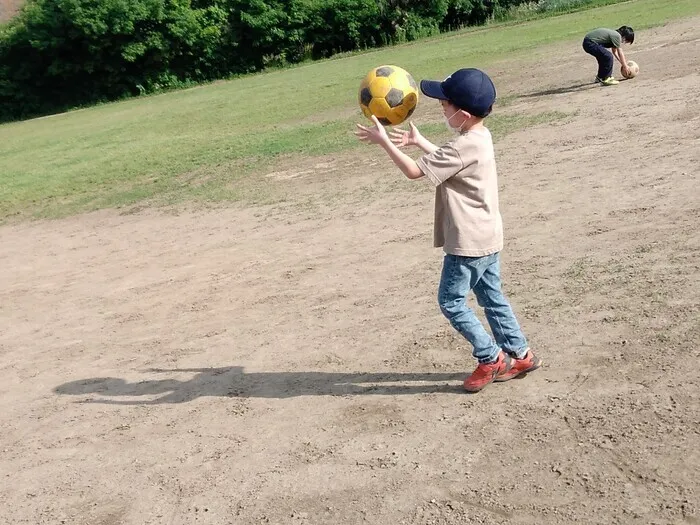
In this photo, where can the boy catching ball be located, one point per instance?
(597, 43)
(467, 221)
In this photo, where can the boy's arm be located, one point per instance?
(377, 135)
(426, 145)
(616, 53)
(406, 164)
(620, 55)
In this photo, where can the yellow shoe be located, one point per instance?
(610, 81)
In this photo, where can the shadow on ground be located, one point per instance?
(233, 381)
(561, 90)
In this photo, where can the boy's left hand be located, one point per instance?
(375, 134)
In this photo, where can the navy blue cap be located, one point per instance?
(469, 89)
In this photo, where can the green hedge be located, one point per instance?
(58, 54)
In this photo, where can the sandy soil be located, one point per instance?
(288, 364)
(8, 9)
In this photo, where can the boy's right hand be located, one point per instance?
(401, 137)
(375, 134)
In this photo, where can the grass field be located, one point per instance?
(288, 363)
(148, 149)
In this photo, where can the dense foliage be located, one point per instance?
(58, 54)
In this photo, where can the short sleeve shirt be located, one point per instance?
(605, 37)
(467, 218)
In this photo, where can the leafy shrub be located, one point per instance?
(58, 54)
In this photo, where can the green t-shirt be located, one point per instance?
(605, 37)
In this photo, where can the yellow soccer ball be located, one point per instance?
(389, 93)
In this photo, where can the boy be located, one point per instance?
(597, 43)
(467, 221)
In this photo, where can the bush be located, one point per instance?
(336, 26)
(524, 10)
(59, 54)
(62, 53)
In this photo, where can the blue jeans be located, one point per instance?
(602, 55)
(483, 275)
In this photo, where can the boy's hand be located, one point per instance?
(402, 137)
(375, 134)
(625, 70)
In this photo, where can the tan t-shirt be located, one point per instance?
(467, 219)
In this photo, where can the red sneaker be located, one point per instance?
(486, 373)
(519, 366)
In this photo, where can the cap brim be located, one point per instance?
(433, 89)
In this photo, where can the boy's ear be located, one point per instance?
(466, 114)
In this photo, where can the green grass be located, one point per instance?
(156, 148)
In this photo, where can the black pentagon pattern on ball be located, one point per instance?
(384, 121)
(384, 71)
(410, 111)
(394, 97)
(366, 96)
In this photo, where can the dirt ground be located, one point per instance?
(288, 364)
(8, 9)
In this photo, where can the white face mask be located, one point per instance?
(449, 126)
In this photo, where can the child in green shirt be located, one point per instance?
(597, 43)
